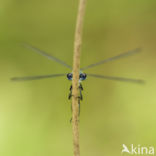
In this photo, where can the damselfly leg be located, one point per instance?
(80, 97)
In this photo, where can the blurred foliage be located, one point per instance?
(34, 116)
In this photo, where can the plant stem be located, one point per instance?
(75, 82)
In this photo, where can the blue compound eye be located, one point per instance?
(82, 76)
(69, 76)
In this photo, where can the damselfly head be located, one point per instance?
(82, 76)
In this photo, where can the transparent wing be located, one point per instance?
(113, 58)
(117, 78)
(28, 78)
(50, 57)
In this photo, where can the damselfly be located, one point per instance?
(82, 75)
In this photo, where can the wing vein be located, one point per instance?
(122, 55)
(50, 57)
(123, 79)
(27, 78)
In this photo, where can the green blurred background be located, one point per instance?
(34, 115)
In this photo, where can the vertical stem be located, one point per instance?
(75, 82)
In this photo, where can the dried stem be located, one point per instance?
(75, 82)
